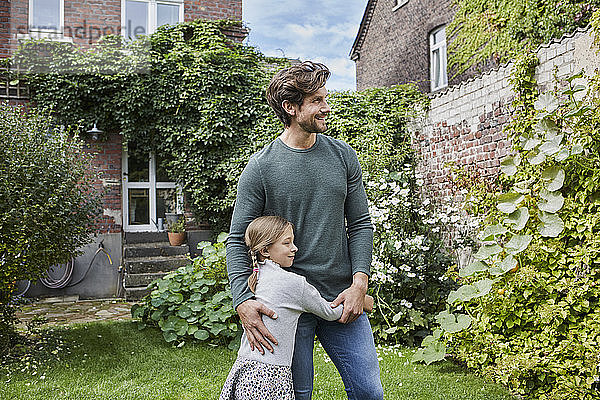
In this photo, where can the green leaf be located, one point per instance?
(175, 298)
(453, 323)
(184, 312)
(435, 351)
(551, 225)
(555, 176)
(532, 143)
(491, 232)
(518, 243)
(508, 202)
(546, 101)
(181, 327)
(472, 268)
(169, 336)
(192, 329)
(562, 155)
(202, 245)
(483, 287)
(577, 149)
(463, 293)
(486, 251)
(201, 334)
(549, 148)
(509, 165)
(222, 237)
(518, 218)
(508, 263)
(551, 201)
(536, 157)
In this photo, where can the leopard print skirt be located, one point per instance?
(254, 380)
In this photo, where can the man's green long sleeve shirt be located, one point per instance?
(319, 190)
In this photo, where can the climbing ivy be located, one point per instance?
(527, 311)
(185, 92)
(483, 31)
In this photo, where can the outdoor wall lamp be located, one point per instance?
(94, 132)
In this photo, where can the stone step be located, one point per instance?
(145, 237)
(141, 280)
(154, 249)
(144, 265)
(135, 293)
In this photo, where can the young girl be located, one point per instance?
(269, 376)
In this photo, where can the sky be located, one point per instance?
(321, 31)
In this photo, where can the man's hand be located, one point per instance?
(258, 335)
(353, 298)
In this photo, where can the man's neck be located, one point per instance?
(298, 138)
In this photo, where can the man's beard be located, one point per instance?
(312, 126)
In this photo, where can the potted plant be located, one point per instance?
(176, 232)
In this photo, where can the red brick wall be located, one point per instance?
(213, 9)
(107, 161)
(479, 147)
(4, 28)
(395, 49)
(86, 20)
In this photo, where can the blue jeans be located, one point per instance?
(350, 347)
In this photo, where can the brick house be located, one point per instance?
(402, 41)
(137, 195)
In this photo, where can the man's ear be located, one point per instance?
(288, 107)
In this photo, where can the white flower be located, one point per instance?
(420, 182)
(455, 218)
(404, 192)
(426, 202)
(397, 244)
(406, 303)
(395, 201)
(411, 274)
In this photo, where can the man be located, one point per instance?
(315, 182)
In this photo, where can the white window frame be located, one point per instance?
(56, 35)
(152, 13)
(442, 47)
(152, 185)
(399, 3)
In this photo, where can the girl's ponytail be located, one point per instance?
(253, 279)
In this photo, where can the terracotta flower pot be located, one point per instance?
(176, 239)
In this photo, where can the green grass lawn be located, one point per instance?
(113, 360)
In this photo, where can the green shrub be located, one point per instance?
(193, 302)
(47, 202)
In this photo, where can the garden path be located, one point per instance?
(76, 311)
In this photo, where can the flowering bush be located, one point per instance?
(409, 261)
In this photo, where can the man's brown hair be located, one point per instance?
(293, 84)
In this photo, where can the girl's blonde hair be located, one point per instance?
(261, 233)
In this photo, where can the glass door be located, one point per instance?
(148, 195)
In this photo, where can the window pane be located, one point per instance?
(139, 207)
(138, 167)
(46, 14)
(136, 19)
(166, 202)
(161, 173)
(439, 36)
(167, 14)
(435, 71)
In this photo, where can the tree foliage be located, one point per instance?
(47, 201)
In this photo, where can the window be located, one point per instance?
(142, 17)
(46, 15)
(438, 59)
(399, 3)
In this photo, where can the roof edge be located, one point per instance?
(362, 30)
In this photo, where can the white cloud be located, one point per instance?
(321, 31)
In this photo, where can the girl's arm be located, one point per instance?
(313, 303)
